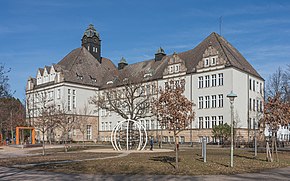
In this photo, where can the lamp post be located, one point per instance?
(232, 97)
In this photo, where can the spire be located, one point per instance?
(159, 54)
(91, 41)
(123, 63)
(91, 31)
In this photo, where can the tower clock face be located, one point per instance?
(85, 40)
(95, 40)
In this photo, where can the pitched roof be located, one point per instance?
(191, 57)
(79, 66)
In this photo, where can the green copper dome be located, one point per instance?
(123, 60)
(160, 50)
(91, 31)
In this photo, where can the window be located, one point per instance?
(221, 120)
(254, 85)
(254, 123)
(261, 109)
(257, 105)
(257, 86)
(68, 91)
(88, 48)
(110, 125)
(213, 61)
(213, 101)
(206, 62)
(207, 122)
(89, 132)
(68, 103)
(254, 102)
(250, 84)
(182, 139)
(207, 102)
(96, 50)
(93, 49)
(152, 124)
(207, 81)
(103, 112)
(213, 121)
(106, 126)
(74, 92)
(171, 69)
(213, 80)
(147, 124)
(221, 79)
(200, 82)
(200, 122)
(221, 100)
(74, 102)
(171, 139)
(200, 102)
(250, 123)
(261, 88)
(177, 68)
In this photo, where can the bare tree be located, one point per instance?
(276, 114)
(174, 111)
(132, 100)
(278, 84)
(66, 123)
(47, 117)
(81, 121)
(4, 86)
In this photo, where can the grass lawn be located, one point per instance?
(190, 163)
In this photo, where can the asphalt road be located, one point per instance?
(31, 175)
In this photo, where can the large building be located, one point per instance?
(209, 72)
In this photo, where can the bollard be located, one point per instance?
(204, 149)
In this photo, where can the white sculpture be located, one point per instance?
(126, 127)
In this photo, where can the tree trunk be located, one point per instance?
(176, 152)
(43, 144)
(83, 140)
(65, 140)
(276, 150)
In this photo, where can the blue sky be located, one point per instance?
(35, 33)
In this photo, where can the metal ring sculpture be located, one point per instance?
(124, 126)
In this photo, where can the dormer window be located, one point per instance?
(147, 75)
(80, 77)
(93, 79)
(109, 82)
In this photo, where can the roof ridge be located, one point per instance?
(74, 61)
(217, 38)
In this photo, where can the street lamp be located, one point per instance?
(232, 97)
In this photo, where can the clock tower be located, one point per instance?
(91, 41)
